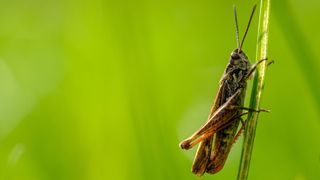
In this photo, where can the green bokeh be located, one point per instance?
(107, 89)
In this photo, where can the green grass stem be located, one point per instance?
(257, 87)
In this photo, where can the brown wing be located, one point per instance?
(202, 156)
(203, 153)
(219, 117)
(219, 120)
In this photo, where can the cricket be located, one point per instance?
(219, 133)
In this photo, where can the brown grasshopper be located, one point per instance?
(226, 112)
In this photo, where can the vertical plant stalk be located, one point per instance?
(257, 87)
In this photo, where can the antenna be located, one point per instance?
(237, 27)
(245, 34)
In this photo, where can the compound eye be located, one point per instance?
(235, 56)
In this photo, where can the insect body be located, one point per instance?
(218, 134)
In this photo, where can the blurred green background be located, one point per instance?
(107, 89)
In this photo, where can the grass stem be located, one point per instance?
(257, 87)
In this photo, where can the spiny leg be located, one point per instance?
(205, 132)
(243, 123)
(250, 109)
(254, 67)
(221, 117)
(243, 126)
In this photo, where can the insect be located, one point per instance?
(218, 134)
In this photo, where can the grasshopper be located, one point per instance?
(218, 134)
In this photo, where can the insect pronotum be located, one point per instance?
(217, 135)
